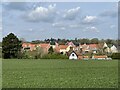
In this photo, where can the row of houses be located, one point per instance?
(70, 49)
(73, 55)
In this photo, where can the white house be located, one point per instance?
(73, 55)
(105, 45)
(113, 49)
(107, 49)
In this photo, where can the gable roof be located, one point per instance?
(77, 53)
(44, 45)
(25, 44)
(70, 43)
(93, 46)
(28, 45)
(105, 45)
(63, 46)
(69, 53)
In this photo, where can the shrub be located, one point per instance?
(54, 56)
(28, 55)
(115, 56)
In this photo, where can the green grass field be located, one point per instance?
(60, 74)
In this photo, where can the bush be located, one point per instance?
(54, 56)
(27, 55)
(115, 56)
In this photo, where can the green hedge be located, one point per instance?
(55, 56)
(115, 56)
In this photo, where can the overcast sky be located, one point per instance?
(40, 20)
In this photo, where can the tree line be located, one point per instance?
(78, 41)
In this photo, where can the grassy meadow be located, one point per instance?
(49, 73)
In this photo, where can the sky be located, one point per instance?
(65, 20)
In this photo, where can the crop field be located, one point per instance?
(47, 73)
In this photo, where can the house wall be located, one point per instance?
(68, 48)
(73, 57)
(80, 57)
(114, 49)
(63, 50)
(53, 46)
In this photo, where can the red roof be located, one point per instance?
(28, 45)
(63, 46)
(25, 44)
(86, 56)
(70, 43)
(44, 45)
(93, 45)
(32, 45)
(103, 56)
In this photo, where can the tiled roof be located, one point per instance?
(93, 45)
(44, 45)
(102, 56)
(77, 53)
(63, 46)
(28, 45)
(70, 43)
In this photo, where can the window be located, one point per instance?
(61, 52)
(72, 54)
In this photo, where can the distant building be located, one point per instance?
(29, 46)
(73, 55)
(63, 49)
(45, 47)
(70, 43)
(114, 49)
(106, 48)
(76, 55)
(100, 57)
(89, 48)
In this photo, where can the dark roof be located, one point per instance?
(77, 53)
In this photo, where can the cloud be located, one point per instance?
(59, 24)
(41, 14)
(15, 6)
(110, 13)
(1, 28)
(91, 29)
(62, 28)
(30, 30)
(74, 26)
(71, 13)
(0, 24)
(89, 19)
(55, 24)
(112, 26)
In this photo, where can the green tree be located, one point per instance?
(94, 41)
(11, 46)
(84, 41)
(51, 50)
